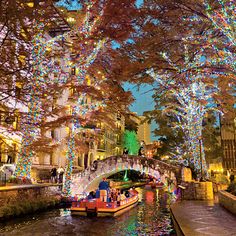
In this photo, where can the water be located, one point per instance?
(150, 217)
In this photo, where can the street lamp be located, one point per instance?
(200, 151)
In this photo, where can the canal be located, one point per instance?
(150, 217)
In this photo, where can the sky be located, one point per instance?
(143, 101)
(143, 95)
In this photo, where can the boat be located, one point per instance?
(95, 207)
(153, 185)
(157, 185)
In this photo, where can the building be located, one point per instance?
(228, 142)
(144, 130)
(151, 149)
(110, 139)
(10, 136)
(97, 141)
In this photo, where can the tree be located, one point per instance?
(172, 140)
(173, 45)
(211, 138)
(130, 123)
(19, 67)
(35, 58)
(130, 141)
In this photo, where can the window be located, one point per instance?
(73, 71)
(53, 133)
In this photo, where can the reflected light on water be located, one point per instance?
(150, 217)
(149, 196)
(65, 212)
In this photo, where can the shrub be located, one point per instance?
(221, 179)
(18, 207)
(232, 188)
(7, 211)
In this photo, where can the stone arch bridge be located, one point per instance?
(88, 180)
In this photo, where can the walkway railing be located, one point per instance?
(81, 181)
(132, 159)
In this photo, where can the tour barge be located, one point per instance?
(96, 207)
(153, 185)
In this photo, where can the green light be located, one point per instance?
(125, 176)
(130, 141)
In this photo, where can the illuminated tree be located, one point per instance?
(95, 25)
(194, 82)
(130, 141)
(21, 59)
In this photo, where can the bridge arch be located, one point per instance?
(88, 180)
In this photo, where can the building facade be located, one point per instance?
(144, 131)
(228, 142)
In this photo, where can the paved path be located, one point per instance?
(14, 187)
(202, 218)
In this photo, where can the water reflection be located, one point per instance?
(150, 217)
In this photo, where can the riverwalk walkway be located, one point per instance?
(26, 186)
(203, 218)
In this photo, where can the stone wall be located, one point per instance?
(228, 201)
(195, 190)
(16, 200)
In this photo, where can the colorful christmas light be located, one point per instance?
(194, 98)
(31, 130)
(42, 68)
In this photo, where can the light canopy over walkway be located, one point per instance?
(88, 180)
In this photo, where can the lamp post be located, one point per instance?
(200, 152)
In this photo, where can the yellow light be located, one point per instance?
(88, 82)
(14, 124)
(67, 130)
(19, 84)
(22, 32)
(71, 19)
(30, 4)
(22, 59)
(48, 49)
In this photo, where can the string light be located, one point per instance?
(44, 67)
(23, 167)
(194, 99)
(80, 184)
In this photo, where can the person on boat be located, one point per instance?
(103, 188)
(122, 197)
(97, 194)
(75, 199)
(118, 196)
(109, 199)
(91, 195)
(127, 194)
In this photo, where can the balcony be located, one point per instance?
(101, 148)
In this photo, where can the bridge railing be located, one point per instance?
(131, 160)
